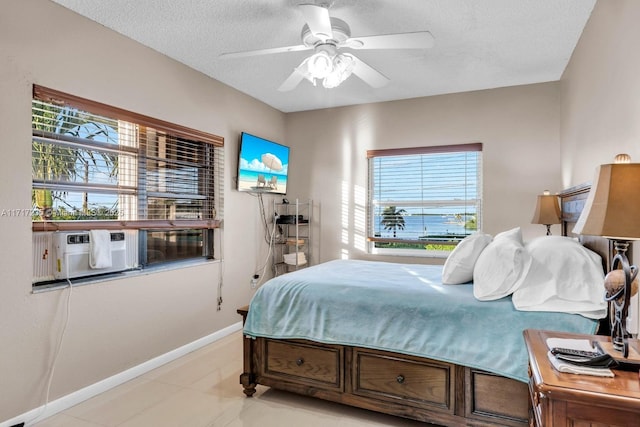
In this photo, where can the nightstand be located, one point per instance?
(562, 399)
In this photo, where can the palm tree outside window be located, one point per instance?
(392, 219)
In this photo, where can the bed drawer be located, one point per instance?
(415, 382)
(303, 363)
(487, 392)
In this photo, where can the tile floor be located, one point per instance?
(202, 389)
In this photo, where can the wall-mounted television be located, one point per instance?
(263, 165)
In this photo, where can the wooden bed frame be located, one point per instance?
(411, 387)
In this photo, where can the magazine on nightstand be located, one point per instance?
(580, 357)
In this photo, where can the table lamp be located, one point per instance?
(547, 211)
(611, 211)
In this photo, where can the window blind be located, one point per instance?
(425, 194)
(101, 167)
(97, 166)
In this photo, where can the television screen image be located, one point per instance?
(263, 165)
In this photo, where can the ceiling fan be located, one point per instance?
(327, 36)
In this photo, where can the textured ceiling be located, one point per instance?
(479, 44)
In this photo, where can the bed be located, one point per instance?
(372, 342)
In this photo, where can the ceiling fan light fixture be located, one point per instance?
(320, 65)
(331, 69)
(342, 68)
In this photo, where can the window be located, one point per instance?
(99, 167)
(423, 200)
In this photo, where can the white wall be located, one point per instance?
(600, 92)
(519, 127)
(117, 324)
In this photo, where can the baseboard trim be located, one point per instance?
(65, 402)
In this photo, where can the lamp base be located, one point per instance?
(620, 299)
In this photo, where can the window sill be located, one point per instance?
(39, 226)
(418, 253)
(175, 265)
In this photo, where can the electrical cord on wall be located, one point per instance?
(267, 260)
(270, 237)
(267, 236)
(57, 351)
(220, 269)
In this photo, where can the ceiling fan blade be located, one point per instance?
(269, 51)
(368, 74)
(417, 40)
(292, 81)
(318, 20)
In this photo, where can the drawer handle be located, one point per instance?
(400, 379)
(300, 361)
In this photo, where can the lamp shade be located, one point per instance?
(612, 209)
(547, 210)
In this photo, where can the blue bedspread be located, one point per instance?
(402, 308)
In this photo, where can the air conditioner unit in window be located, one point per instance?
(72, 254)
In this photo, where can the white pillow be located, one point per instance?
(458, 268)
(514, 234)
(500, 269)
(564, 277)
